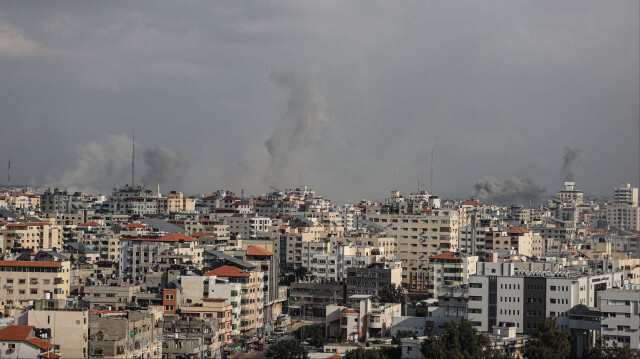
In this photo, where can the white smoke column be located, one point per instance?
(570, 155)
(514, 190)
(164, 166)
(101, 165)
(297, 129)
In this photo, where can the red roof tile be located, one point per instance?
(40, 343)
(89, 224)
(202, 234)
(447, 255)
(254, 250)
(15, 332)
(517, 230)
(37, 264)
(227, 271)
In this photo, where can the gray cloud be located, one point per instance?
(513, 190)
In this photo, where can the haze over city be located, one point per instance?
(350, 98)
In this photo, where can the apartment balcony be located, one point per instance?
(375, 322)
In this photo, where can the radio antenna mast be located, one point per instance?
(133, 159)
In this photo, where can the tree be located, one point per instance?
(459, 341)
(313, 334)
(614, 352)
(287, 349)
(422, 312)
(397, 339)
(550, 342)
(377, 353)
(392, 294)
(300, 272)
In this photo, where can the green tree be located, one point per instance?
(397, 339)
(287, 349)
(313, 334)
(459, 341)
(392, 294)
(550, 342)
(614, 352)
(300, 272)
(377, 353)
(422, 312)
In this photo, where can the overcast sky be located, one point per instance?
(348, 97)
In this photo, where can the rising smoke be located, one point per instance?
(100, 166)
(292, 135)
(164, 166)
(297, 129)
(513, 190)
(570, 155)
(106, 163)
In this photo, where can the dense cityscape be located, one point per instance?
(320, 179)
(145, 274)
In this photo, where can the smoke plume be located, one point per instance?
(570, 155)
(164, 165)
(297, 129)
(291, 136)
(513, 190)
(101, 165)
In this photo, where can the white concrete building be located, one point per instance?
(525, 297)
(620, 322)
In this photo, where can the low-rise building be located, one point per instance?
(125, 334)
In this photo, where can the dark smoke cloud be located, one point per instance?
(164, 166)
(513, 190)
(570, 155)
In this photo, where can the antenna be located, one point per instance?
(133, 159)
(432, 153)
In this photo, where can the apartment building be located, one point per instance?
(498, 293)
(624, 216)
(620, 321)
(125, 334)
(420, 233)
(372, 278)
(69, 328)
(251, 297)
(139, 254)
(328, 267)
(517, 238)
(32, 235)
(449, 270)
(214, 308)
(26, 281)
(625, 194)
(197, 289)
(247, 225)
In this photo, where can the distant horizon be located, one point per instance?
(445, 196)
